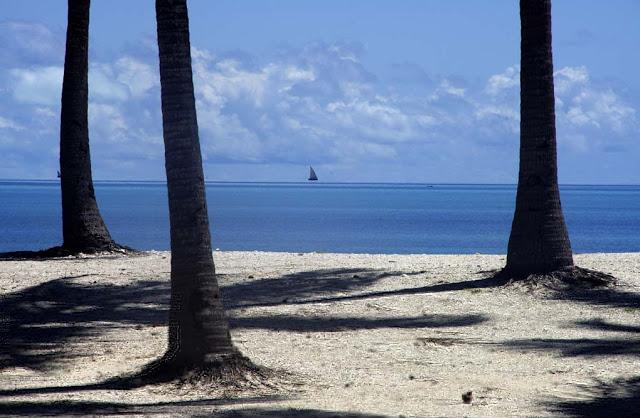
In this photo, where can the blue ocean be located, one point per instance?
(324, 217)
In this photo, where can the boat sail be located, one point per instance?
(312, 174)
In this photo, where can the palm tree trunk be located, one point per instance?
(198, 328)
(539, 242)
(82, 226)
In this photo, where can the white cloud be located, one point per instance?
(125, 78)
(507, 80)
(108, 122)
(104, 84)
(41, 85)
(586, 112)
(504, 114)
(447, 88)
(568, 77)
(45, 113)
(138, 76)
(373, 119)
(9, 124)
(30, 43)
(601, 109)
(315, 103)
(298, 74)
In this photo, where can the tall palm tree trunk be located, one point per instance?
(198, 328)
(539, 242)
(82, 226)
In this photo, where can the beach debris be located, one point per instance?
(250, 276)
(467, 397)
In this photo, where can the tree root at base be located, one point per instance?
(567, 278)
(228, 371)
(62, 251)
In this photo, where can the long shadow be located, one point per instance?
(579, 347)
(336, 324)
(294, 413)
(37, 255)
(304, 288)
(289, 323)
(206, 407)
(60, 252)
(294, 287)
(38, 322)
(585, 347)
(599, 324)
(620, 398)
(612, 296)
(84, 408)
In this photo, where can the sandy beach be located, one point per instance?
(355, 335)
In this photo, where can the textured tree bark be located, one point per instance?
(539, 241)
(198, 328)
(83, 229)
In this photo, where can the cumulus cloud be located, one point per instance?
(30, 43)
(40, 86)
(119, 81)
(314, 104)
(9, 124)
(507, 80)
(138, 76)
(591, 115)
(588, 114)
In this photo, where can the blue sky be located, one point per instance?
(402, 91)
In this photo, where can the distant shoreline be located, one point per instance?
(212, 182)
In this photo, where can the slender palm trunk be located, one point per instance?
(539, 242)
(198, 328)
(82, 226)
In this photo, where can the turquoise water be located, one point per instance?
(363, 218)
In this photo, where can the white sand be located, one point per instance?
(384, 335)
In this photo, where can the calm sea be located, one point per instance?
(362, 218)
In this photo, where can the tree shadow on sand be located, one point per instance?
(84, 408)
(58, 252)
(40, 324)
(619, 398)
(338, 324)
(302, 285)
(37, 324)
(614, 297)
(321, 286)
(205, 407)
(586, 347)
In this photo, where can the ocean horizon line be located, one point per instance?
(113, 181)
